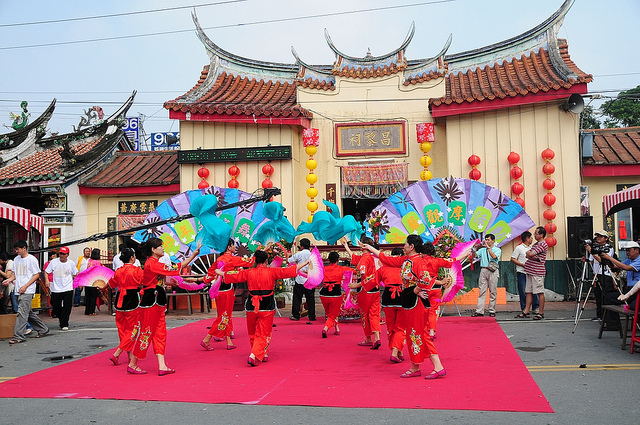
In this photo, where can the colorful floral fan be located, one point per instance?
(463, 248)
(457, 283)
(468, 208)
(97, 276)
(179, 239)
(315, 270)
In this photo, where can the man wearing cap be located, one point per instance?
(62, 269)
(632, 267)
(604, 284)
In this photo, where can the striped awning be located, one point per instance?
(22, 216)
(622, 200)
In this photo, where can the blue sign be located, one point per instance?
(165, 141)
(132, 130)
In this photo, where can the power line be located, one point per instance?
(244, 24)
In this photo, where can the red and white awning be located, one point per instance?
(622, 200)
(22, 216)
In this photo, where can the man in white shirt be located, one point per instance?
(63, 270)
(519, 257)
(298, 288)
(117, 262)
(26, 273)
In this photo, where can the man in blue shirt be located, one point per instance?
(632, 267)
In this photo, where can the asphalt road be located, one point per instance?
(606, 391)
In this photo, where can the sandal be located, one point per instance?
(523, 316)
(16, 341)
(538, 316)
(477, 315)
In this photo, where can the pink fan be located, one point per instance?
(97, 276)
(214, 290)
(346, 280)
(457, 282)
(181, 283)
(347, 301)
(315, 270)
(463, 248)
(277, 262)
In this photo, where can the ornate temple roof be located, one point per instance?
(136, 169)
(532, 67)
(64, 157)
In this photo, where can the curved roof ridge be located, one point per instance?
(403, 46)
(550, 24)
(428, 61)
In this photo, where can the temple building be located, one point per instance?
(515, 96)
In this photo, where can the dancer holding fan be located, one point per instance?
(392, 306)
(127, 280)
(261, 305)
(331, 292)
(222, 326)
(153, 326)
(369, 296)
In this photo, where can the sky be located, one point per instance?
(85, 62)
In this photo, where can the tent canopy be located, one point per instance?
(622, 200)
(22, 216)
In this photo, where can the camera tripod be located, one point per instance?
(594, 281)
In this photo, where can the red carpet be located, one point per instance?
(483, 371)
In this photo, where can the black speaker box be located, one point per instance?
(579, 229)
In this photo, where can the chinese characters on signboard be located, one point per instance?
(165, 141)
(132, 130)
(136, 207)
(384, 138)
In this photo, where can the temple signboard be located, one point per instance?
(379, 138)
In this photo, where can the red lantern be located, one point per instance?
(310, 137)
(513, 158)
(203, 172)
(266, 184)
(519, 201)
(203, 184)
(516, 172)
(517, 188)
(548, 169)
(551, 241)
(475, 174)
(549, 214)
(549, 199)
(234, 171)
(474, 160)
(548, 154)
(267, 169)
(550, 227)
(548, 184)
(233, 184)
(425, 132)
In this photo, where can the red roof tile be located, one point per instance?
(127, 169)
(615, 146)
(237, 95)
(518, 77)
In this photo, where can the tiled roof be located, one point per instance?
(348, 69)
(41, 165)
(238, 95)
(127, 169)
(527, 74)
(615, 146)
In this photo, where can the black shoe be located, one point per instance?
(76, 305)
(313, 320)
(294, 318)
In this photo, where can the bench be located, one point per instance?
(617, 310)
(204, 302)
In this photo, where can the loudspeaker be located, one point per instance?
(579, 229)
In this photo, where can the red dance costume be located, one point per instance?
(433, 266)
(261, 305)
(392, 305)
(414, 273)
(153, 326)
(331, 293)
(369, 296)
(127, 280)
(222, 326)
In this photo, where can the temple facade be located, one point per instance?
(508, 97)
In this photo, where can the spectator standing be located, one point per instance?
(519, 257)
(489, 274)
(58, 276)
(5, 274)
(535, 269)
(298, 288)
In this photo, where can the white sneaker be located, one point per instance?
(28, 331)
(65, 328)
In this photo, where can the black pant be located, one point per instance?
(61, 304)
(90, 298)
(604, 285)
(4, 293)
(309, 296)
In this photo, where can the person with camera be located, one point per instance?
(632, 266)
(601, 269)
(489, 274)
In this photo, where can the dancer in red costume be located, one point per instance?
(153, 326)
(331, 292)
(369, 296)
(433, 267)
(222, 326)
(127, 280)
(261, 305)
(392, 306)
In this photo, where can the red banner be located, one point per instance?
(373, 181)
